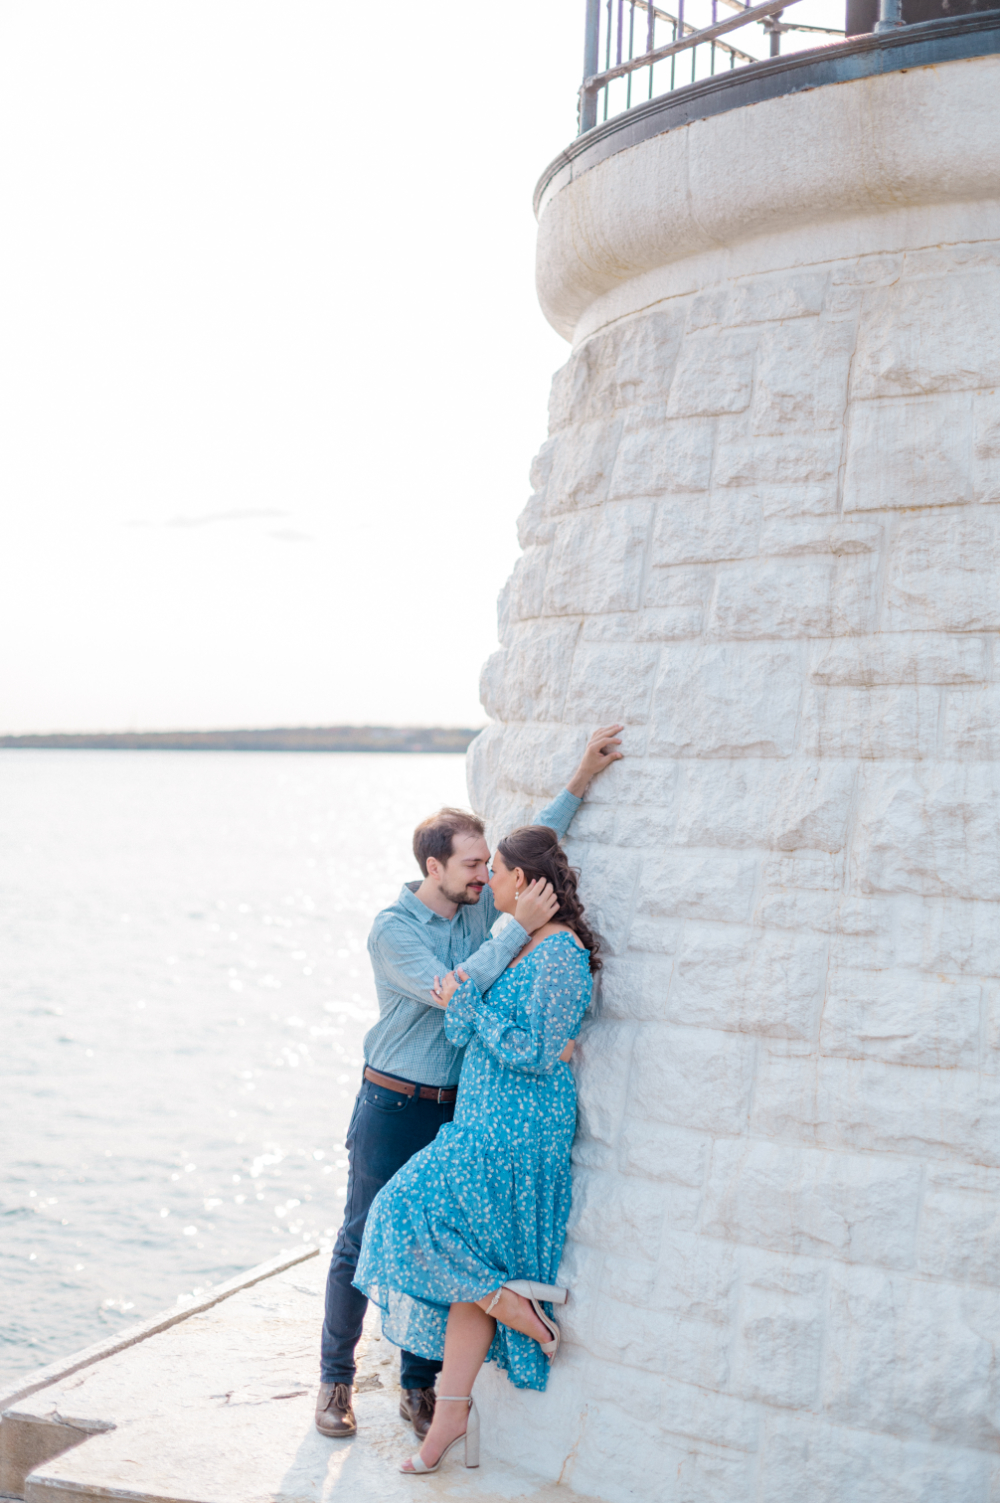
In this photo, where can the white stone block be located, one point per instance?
(594, 822)
(972, 724)
(610, 684)
(641, 825)
(788, 536)
(770, 299)
(614, 1463)
(933, 829)
(704, 531)
(691, 1077)
(779, 1349)
(672, 1154)
(527, 680)
(897, 722)
(646, 352)
(797, 910)
(596, 561)
(697, 1279)
(928, 335)
(790, 1199)
(910, 1357)
(908, 453)
(960, 1237)
(679, 588)
(902, 1016)
(536, 525)
(541, 465)
(944, 574)
(773, 599)
(814, 871)
(601, 1068)
(801, 377)
(986, 446)
(714, 374)
(521, 596)
(536, 760)
(581, 467)
(726, 700)
(635, 779)
(909, 658)
(669, 623)
(768, 983)
(805, 806)
(706, 885)
(616, 1213)
(634, 987)
(879, 1108)
(607, 880)
(780, 460)
(657, 457)
(806, 1460)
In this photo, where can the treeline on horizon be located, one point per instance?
(323, 738)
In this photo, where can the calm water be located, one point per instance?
(185, 988)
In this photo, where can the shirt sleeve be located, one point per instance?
(408, 966)
(546, 1019)
(559, 814)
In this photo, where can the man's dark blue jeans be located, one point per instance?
(387, 1128)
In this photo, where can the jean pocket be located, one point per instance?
(388, 1102)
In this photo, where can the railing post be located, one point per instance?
(591, 65)
(889, 15)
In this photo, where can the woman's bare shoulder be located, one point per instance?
(548, 930)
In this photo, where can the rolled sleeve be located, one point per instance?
(492, 958)
(559, 814)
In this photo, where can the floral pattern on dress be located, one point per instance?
(489, 1199)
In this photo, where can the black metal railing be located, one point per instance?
(635, 50)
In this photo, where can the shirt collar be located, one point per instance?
(409, 900)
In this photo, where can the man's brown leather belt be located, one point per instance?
(444, 1095)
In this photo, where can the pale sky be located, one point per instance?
(271, 361)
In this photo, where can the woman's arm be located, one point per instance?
(549, 1016)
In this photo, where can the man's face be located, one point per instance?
(466, 871)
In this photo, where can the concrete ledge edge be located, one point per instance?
(54, 1372)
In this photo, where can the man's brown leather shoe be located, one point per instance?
(417, 1406)
(334, 1413)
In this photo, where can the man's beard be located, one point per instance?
(467, 895)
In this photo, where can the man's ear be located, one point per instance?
(434, 868)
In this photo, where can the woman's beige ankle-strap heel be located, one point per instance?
(534, 1294)
(419, 1468)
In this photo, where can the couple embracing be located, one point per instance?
(459, 1182)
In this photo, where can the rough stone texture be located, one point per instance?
(765, 536)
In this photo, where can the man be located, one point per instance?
(411, 1070)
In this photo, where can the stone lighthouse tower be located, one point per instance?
(765, 533)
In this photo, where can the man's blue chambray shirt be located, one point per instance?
(410, 944)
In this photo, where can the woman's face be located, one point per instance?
(505, 884)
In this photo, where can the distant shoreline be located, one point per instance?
(329, 738)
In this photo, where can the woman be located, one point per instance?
(485, 1206)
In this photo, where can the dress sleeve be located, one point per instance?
(546, 1018)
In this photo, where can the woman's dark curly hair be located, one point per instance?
(536, 850)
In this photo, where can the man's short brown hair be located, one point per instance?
(435, 836)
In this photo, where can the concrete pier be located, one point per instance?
(217, 1407)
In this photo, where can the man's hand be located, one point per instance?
(602, 750)
(536, 905)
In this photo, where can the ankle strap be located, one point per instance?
(454, 1398)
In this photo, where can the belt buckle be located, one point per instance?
(441, 1091)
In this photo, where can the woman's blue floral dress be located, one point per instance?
(489, 1199)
